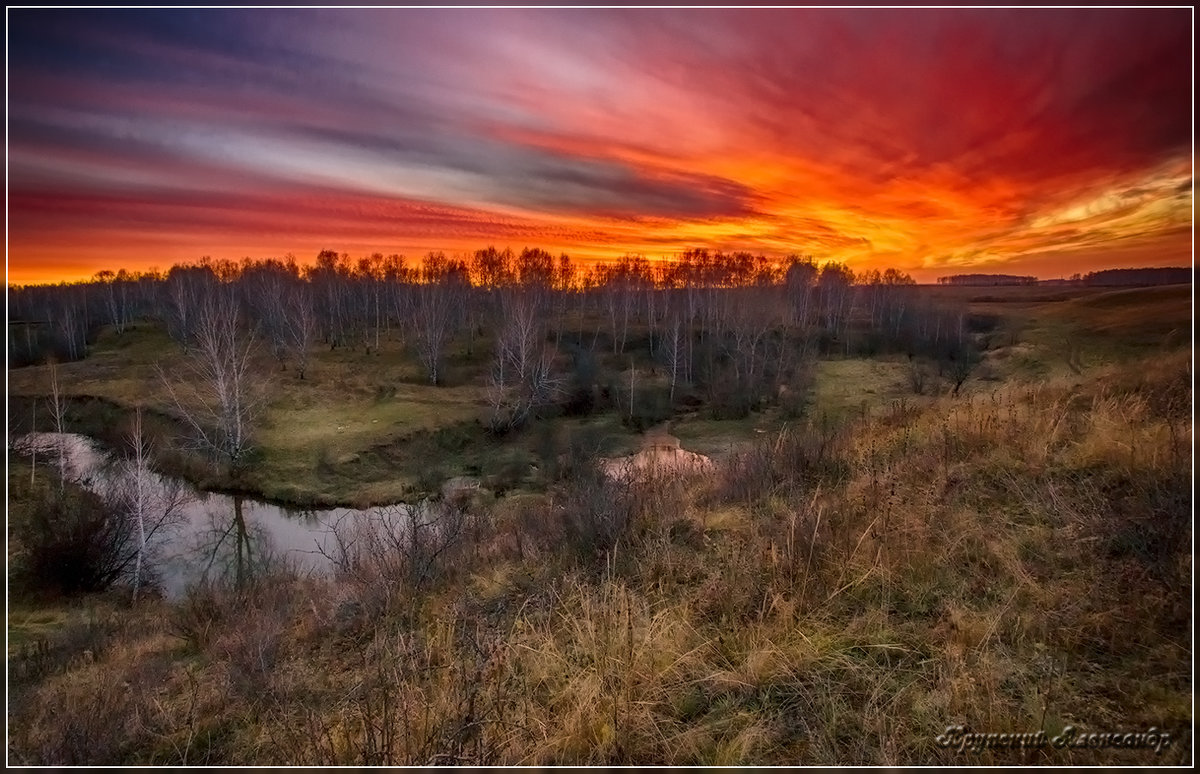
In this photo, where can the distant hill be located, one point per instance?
(1172, 275)
(987, 279)
(1164, 275)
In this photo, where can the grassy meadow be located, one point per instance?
(857, 575)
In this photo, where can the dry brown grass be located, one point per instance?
(1012, 560)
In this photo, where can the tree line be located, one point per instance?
(1163, 275)
(987, 279)
(733, 329)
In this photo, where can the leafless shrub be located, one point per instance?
(89, 730)
(797, 458)
(597, 511)
(399, 550)
(196, 617)
(251, 642)
(600, 511)
(919, 377)
(74, 540)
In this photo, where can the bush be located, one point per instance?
(325, 460)
(581, 393)
(507, 473)
(727, 399)
(795, 459)
(70, 541)
(454, 438)
(1150, 522)
(430, 479)
(549, 445)
(920, 376)
(651, 406)
(796, 393)
(597, 512)
(957, 363)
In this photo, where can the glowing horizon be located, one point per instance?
(1043, 142)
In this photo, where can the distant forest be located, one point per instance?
(987, 279)
(730, 305)
(1164, 275)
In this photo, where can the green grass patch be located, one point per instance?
(843, 387)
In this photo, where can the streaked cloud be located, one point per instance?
(924, 139)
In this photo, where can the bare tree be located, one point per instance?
(140, 504)
(186, 289)
(564, 278)
(57, 413)
(433, 313)
(619, 298)
(301, 327)
(522, 376)
(217, 392)
(751, 318)
(264, 287)
(116, 297)
(431, 328)
(673, 349)
(71, 322)
(835, 283)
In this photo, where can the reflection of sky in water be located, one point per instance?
(203, 539)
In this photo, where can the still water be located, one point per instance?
(194, 535)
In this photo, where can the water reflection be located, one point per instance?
(206, 536)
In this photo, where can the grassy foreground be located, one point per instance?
(1015, 559)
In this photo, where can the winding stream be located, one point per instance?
(197, 535)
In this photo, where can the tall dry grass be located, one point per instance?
(1010, 561)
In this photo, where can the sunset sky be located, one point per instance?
(1038, 142)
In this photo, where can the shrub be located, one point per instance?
(651, 406)
(508, 473)
(71, 541)
(325, 458)
(454, 438)
(796, 458)
(431, 478)
(581, 393)
(796, 393)
(596, 512)
(920, 376)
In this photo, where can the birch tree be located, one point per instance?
(673, 349)
(186, 289)
(140, 502)
(300, 325)
(58, 413)
(522, 378)
(216, 391)
(433, 314)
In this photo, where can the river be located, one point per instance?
(198, 535)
